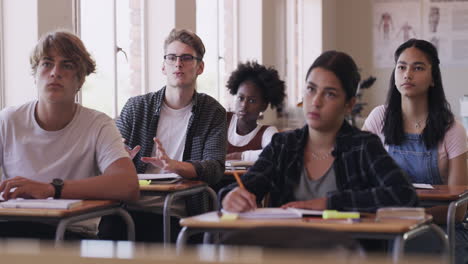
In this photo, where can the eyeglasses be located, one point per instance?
(171, 59)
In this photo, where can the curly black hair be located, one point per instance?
(267, 79)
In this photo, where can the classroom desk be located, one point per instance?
(124, 252)
(172, 191)
(89, 209)
(442, 193)
(454, 197)
(398, 230)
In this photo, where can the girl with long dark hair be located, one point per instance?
(417, 125)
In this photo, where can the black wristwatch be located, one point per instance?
(58, 185)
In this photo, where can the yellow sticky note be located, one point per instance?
(144, 182)
(330, 214)
(229, 217)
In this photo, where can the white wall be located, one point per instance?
(54, 14)
(185, 14)
(354, 35)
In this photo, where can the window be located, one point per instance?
(2, 65)
(19, 33)
(113, 32)
(207, 30)
(128, 46)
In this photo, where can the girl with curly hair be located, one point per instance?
(255, 87)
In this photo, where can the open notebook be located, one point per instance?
(160, 178)
(277, 213)
(422, 186)
(41, 203)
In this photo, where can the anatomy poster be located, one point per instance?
(394, 22)
(445, 24)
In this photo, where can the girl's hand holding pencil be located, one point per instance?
(239, 199)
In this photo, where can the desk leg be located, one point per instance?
(60, 232)
(166, 219)
(63, 223)
(182, 238)
(445, 242)
(451, 224)
(167, 206)
(400, 241)
(129, 222)
(211, 238)
(213, 196)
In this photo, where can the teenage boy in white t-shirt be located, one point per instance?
(54, 147)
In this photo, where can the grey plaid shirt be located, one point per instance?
(205, 146)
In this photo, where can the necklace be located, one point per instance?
(418, 124)
(322, 155)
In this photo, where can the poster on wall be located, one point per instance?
(445, 24)
(394, 22)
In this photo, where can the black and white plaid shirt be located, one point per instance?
(205, 146)
(366, 176)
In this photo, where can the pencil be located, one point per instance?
(238, 180)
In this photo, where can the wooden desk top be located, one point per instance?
(87, 206)
(367, 224)
(172, 187)
(442, 193)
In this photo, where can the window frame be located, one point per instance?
(2, 62)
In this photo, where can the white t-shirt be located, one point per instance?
(240, 141)
(83, 149)
(172, 133)
(453, 145)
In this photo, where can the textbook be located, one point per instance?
(276, 213)
(160, 178)
(41, 203)
(400, 213)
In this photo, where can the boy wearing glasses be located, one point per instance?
(173, 130)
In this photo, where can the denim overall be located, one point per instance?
(420, 163)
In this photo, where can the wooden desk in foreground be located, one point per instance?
(398, 230)
(175, 190)
(121, 252)
(87, 210)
